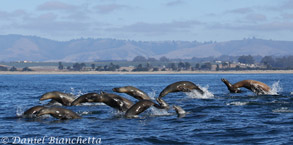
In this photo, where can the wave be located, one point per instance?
(197, 95)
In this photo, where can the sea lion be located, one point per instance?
(59, 113)
(181, 86)
(140, 107)
(89, 97)
(255, 86)
(63, 98)
(111, 100)
(132, 91)
(115, 101)
(180, 112)
(31, 113)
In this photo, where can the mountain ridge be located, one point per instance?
(33, 48)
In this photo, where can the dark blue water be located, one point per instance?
(218, 118)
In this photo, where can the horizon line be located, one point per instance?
(119, 39)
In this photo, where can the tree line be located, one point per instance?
(141, 63)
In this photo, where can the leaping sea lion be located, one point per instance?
(116, 101)
(31, 113)
(89, 97)
(143, 105)
(132, 91)
(111, 100)
(255, 86)
(140, 107)
(59, 113)
(63, 98)
(181, 86)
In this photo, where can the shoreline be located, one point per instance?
(144, 73)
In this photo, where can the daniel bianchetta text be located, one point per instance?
(50, 140)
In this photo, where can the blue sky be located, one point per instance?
(149, 20)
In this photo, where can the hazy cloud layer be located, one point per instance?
(169, 19)
(55, 5)
(241, 11)
(175, 3)
(160, 28)
(105, 9)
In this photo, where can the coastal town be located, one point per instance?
(143, 64)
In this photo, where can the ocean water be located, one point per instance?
(215, 118)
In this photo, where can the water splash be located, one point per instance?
(72, 90)
(152, 94)
(19, 111)
(276, 87)
(197, 95)
(159, 112)
(76, 92)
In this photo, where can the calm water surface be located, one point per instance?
(216, 118)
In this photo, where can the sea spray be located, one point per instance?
(152, 94)
(159, 112)
(19, 111)
(197, 95)
(276, 87)
(75, 92)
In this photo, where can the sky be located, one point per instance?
(149, 20)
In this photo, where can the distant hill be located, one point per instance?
(32, 48)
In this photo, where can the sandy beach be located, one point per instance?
(158, 72)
